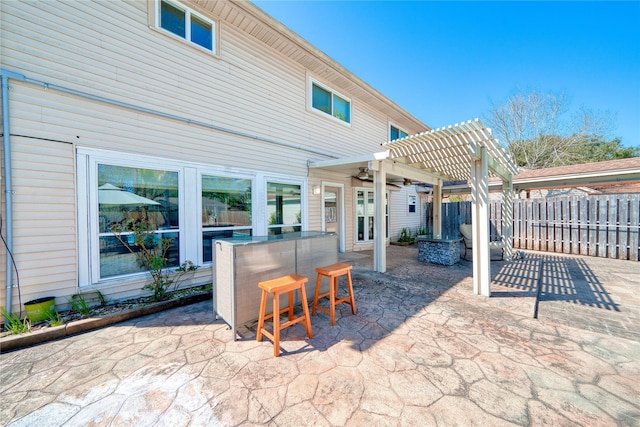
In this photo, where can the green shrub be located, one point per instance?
(14, 324)
(151, 252)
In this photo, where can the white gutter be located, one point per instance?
(8, 186)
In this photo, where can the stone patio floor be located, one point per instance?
(422, 350)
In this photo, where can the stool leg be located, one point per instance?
(353, 300)
(315, 297)
(332, 299)
(276, 324)
(291, 305)
(305, 309)
(263, 307)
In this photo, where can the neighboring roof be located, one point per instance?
(623, 173)
(631, 164)
(586, 174)
(249, 18)
(449, 151)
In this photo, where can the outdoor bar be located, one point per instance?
(241, 262)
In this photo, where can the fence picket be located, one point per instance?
(634, 227)
(604, 226)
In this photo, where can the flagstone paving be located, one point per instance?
(421, 350)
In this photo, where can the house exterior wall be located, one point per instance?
(399, 211)
(102, 83)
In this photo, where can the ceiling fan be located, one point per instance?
(363, 174)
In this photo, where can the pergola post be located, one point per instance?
(507, 218)
(437, 209)
(380, 239)
(480, 219)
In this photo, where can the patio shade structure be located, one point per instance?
(465, 151)
(109, 194)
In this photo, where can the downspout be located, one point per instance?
(8, 186)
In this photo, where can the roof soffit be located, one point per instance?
(249, 18)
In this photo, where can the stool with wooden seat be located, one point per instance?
(333, 272)
(277, 287)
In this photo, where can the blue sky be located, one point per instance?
(447, 62)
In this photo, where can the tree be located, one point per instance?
(533, 129)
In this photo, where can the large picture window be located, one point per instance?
(226, 210)
(284, 208)
(129, 195)
(188, 203)
(185, 23)
(329, 102)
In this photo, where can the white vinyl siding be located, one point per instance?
(399, 211)
(44, 219)
(115, 52)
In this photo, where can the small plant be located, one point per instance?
(79, 304)
(151, 252)
(14, 324)
(103, 300)
(53, 317)
(405, 236)
(421, 231)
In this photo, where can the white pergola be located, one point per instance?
(465, 151)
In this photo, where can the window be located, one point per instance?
(365, 210)
(284, 208)
(129, 194)
(185, 23)
(396, 133)
(189, 203)
(226, 210)
(336, 105)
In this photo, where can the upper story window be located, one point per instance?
(396, 133)
(330, 102)
(185, 23)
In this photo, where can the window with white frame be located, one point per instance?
(128, 196)
(191, 204)
(396, 133)
(365, 211)
(185, 23)
(330, 102)
(284, 208)
(226, 210)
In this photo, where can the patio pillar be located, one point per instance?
(507, 218)
(480, 219)
(380, 218)
(437, 209)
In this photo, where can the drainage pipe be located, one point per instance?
(8, 186)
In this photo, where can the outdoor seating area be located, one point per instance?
(466, 231)
(421, 350)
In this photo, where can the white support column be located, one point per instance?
(507, 218)
(480, 218)
(437, 209)
(380, 241)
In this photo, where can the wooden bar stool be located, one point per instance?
(333, 272)
(276, 287)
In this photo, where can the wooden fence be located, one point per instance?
(602, 226)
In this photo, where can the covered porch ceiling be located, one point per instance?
(431, 157)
